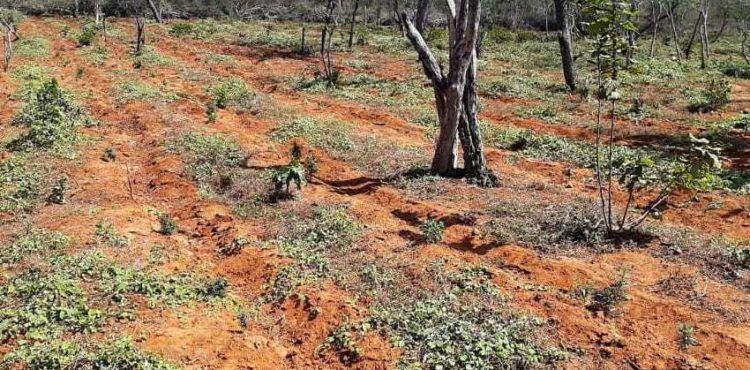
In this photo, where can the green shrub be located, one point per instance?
(233, 92)
(33, 47)
(211, 160)
(20, 186)
(329, 135)
(739, 257)
(87, 35)
(38, 305)
(33, 242)
(52, 118)
(139, 91)
(736, 70)
(341, 342)
(610, 297)
(59, 192)
(716, 96)
(121, 354)
(168, 226)
(107, 234)
(432, 230)
(687, 336)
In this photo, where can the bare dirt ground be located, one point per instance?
(642, 336)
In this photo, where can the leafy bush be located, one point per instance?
(736, 70)
(329, 135)
(107, 234)
(610, 297)
(121, 354)
(59, 192)
(211, 160)
(52, 118)
(37, 305)
(739, 257)
(716, 96)
(310, 243)
(20, 186)
(432, 230)
(139, 91)
(33, 242)
(150, 57)
(340, 341)
(233, 92)
(168, 226)
(33, 47)
(87, 35)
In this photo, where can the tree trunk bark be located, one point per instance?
(656, 20)
(140, 38)
(745, 51)
(455, 94)
(475, 161)
(354, 23)
(156, 10)
(676, 39)
(9, 37)
(689, 46)
(566, 48)
(422, 15)
(704, 41)
(97, 11)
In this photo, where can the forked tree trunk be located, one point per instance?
(9, 36)
(566, 47)
(326, 41)
(156, 10)
(704, 41)
(140, 38)
(455, 93)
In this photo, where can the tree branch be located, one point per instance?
(429, 63)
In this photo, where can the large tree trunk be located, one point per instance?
(689, 46)
(9, 36)
(354, 23)
(140, 37)
(704, 41)
(566, 47)
(97, 11)
(475, 161)
(455, 93)
(156, 10)
(422, 15)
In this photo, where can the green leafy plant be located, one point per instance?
(432, 230)
(686, 334)
(168, 226)
(107, 234)
(233, 92)
(610, 297)
(59, 192)
(87, 35)
(20, 185)
(34, 241)
(52, 119)
(342, 343)
(294, 172)
(714, 97)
